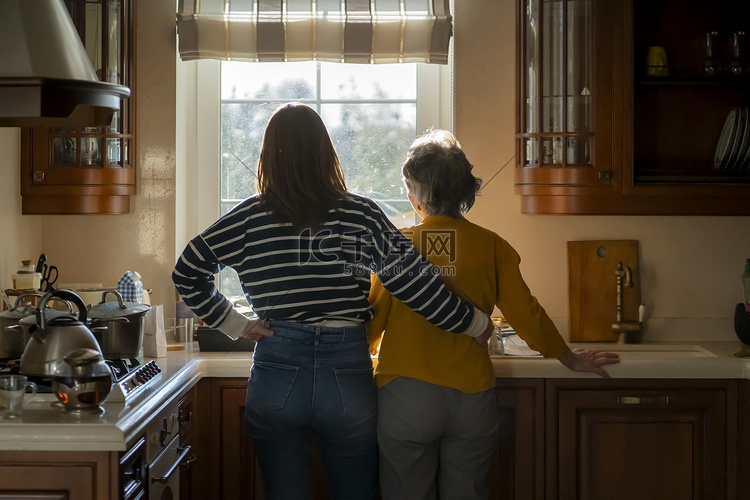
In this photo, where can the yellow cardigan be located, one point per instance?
(481, 268)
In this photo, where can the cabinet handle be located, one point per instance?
(176, 465)
(188, 462)
(186, 420)
(643, 400)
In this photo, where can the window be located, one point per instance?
(372, 113)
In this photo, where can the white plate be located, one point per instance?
(724, 146)
(738, 137)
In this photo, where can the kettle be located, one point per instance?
(52, 338)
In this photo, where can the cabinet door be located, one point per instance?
(518, 467)
(235, 469)
(567, 64)
(37, 475)
(194, 432)
(743, 437)
(636, 440)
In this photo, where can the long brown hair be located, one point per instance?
(299, 174)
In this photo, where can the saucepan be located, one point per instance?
(14, 333)
(125, 322)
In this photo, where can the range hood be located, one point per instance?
(46, 78)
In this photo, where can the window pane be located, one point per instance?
(371, 141)
(368, 81)
(242, 127)
(288, 81)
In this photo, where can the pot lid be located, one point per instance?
(106, 310)
(49, 314)
(83, 356)
(19, 313)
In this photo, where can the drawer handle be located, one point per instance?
(643, 400)
(176, 465)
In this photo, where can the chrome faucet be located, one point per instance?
(627, 332)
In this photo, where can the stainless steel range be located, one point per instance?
(131, 377)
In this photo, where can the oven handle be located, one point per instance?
(163, 480)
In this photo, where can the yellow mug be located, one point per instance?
(656, 61)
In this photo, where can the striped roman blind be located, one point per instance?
(351, 31)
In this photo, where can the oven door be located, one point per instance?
(164, 471)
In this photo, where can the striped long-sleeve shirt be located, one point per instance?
(313, 277)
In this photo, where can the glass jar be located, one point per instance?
(26, 277)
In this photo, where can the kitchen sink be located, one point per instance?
(650, 351)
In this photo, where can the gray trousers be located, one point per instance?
(435, 442)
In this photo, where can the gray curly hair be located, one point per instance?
(439, 174)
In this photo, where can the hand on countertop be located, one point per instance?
(257, 329)
(486, 334)
(589, 360)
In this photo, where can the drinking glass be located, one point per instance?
(709, 66)
(12, 392)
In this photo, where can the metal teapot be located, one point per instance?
(53, 338)
(82, 381)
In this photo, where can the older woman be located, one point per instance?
(304, 248)
(437, 420)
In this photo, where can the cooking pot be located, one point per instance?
(11, 340)
(15, 324)
(124, 322)
(54, 335)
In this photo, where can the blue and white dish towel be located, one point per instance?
(130, 287)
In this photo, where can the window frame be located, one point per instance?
(198, 144)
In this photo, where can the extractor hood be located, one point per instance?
(46, 78)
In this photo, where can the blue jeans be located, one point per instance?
(306, 381)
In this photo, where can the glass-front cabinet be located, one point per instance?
(88, 169)
(557, 74)
(633, 107)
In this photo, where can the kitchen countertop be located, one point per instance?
(43, 427)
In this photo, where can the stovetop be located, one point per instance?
(129, 375)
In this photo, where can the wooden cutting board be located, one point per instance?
(592, 287)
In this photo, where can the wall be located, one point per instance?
(20, 236)
(690, 266)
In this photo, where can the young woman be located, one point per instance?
(304, 248)
(437, 420)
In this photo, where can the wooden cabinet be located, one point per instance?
(193, 419)
(601, 132)
(631, 439)
(235, 472)
(518, 469)
(743, 437)
(88, 170)
(57, 475)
